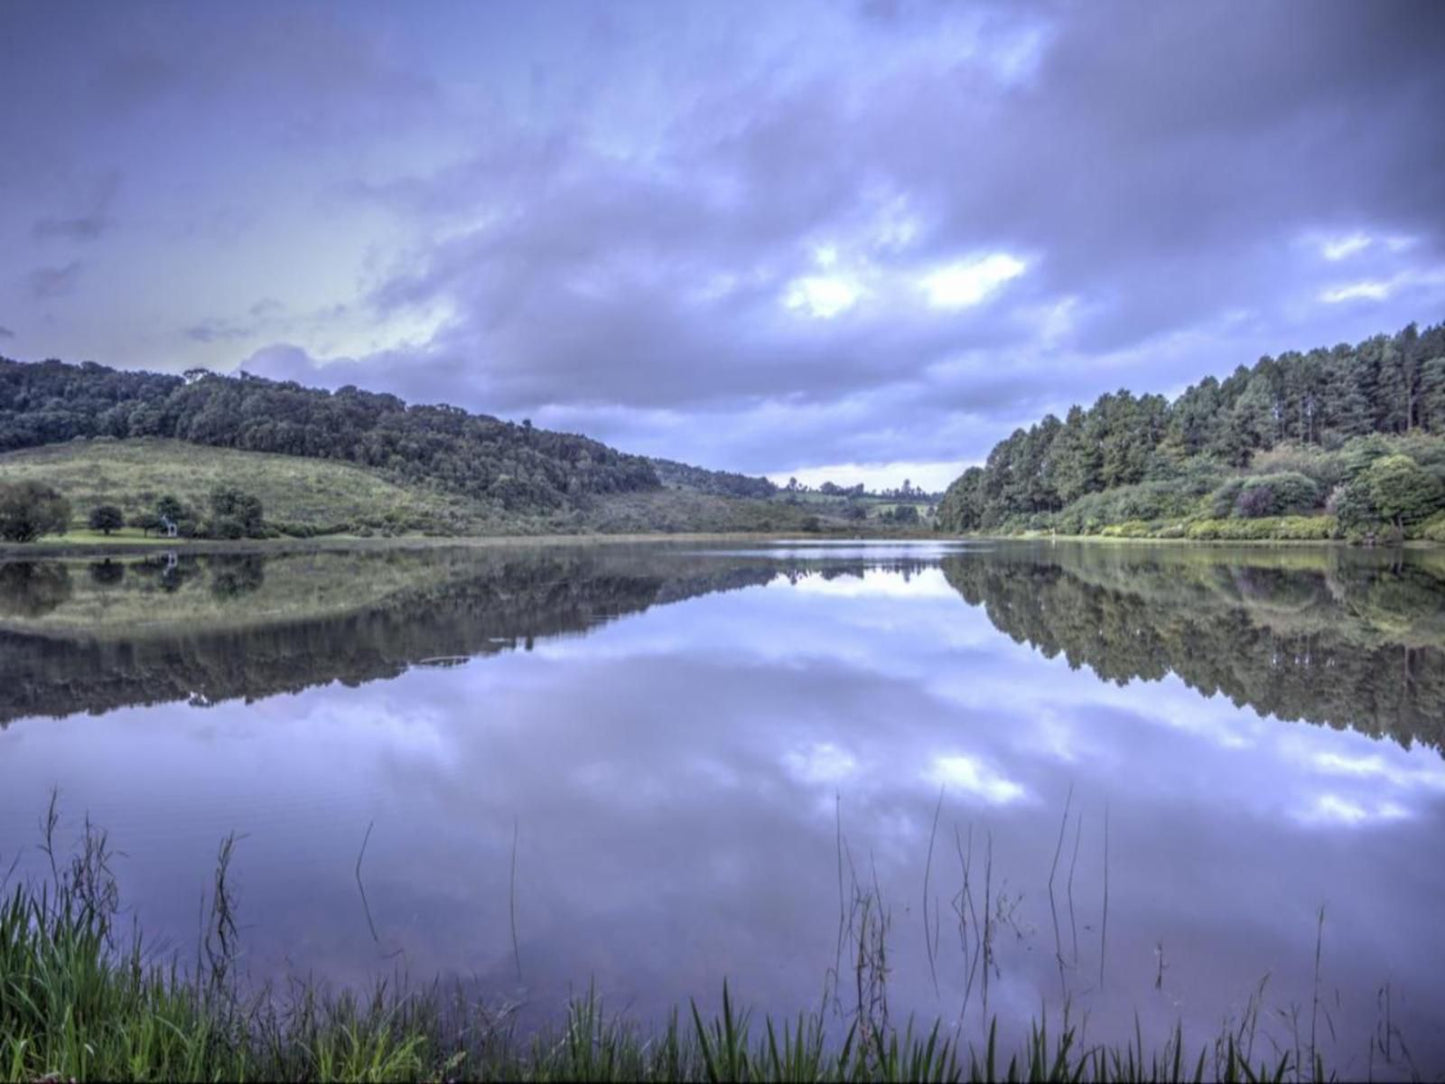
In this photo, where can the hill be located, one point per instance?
(304, 498)
(1340, 442)
(301, 497)
(352, 461)
(516, 469)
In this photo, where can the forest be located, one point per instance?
(1341, 442)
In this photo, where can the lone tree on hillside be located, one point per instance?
(235, 514)
(106, 518)
(29, 510)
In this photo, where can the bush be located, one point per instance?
(1286, 493)
(226, 527)
(1432, 530)
(1134, 528)
(106, 518)
(29, 510)
(1265, 529)
(235, 514)
(1325, 469)
(1221, 501)
(1402, 491)
(1124, 504)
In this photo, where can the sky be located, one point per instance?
(847, 241)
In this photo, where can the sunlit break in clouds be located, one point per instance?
(782, 239)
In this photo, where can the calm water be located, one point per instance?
(694, 753)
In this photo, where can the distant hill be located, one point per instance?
(1329, 443)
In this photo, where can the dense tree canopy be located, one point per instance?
(1318, 401)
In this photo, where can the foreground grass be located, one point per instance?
(79, 1001)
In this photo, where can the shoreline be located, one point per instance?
(125, 547)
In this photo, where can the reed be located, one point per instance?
(83, 999)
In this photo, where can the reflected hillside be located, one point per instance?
(89, 637)
(1344, 638)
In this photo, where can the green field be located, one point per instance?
(299, 495)
(305, 497)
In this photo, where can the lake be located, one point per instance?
(1177, 782)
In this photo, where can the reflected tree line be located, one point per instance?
(1341, 639)
(1346, 639)
(484, 605)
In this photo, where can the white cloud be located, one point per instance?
(822, 296)
(931, 477)
(1371, 289)
(969, 282)
(823, 763)
(1333, 809)
(1338, 248)
(967, 774)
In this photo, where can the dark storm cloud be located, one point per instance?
(51, 282)
(1156, 162)
(6, 333)
(711, 238)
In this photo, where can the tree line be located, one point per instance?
(31, 510)
(517, 466)
(1309, 408)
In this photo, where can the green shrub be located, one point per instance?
(1221, 501)
(29, 510)
(1264, 529)
(1432, 530)
(1286, 493)
(1134, 528)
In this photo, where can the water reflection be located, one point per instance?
(1343, 638)
(679, 782)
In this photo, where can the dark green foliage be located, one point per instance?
(717, 482)
(32, 589)
(520, 468)
(29, 510)
(1401, 491)
(903, 515)
(1285, 494)
(235, 514)
(1284, 416)
(107, 573)
(1343, 638)
(106, 518)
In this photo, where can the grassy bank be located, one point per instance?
(81, 1000)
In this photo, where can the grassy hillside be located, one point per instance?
(300, 496)
(517, 468)
(308, 497)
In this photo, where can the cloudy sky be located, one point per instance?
(847, 240)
